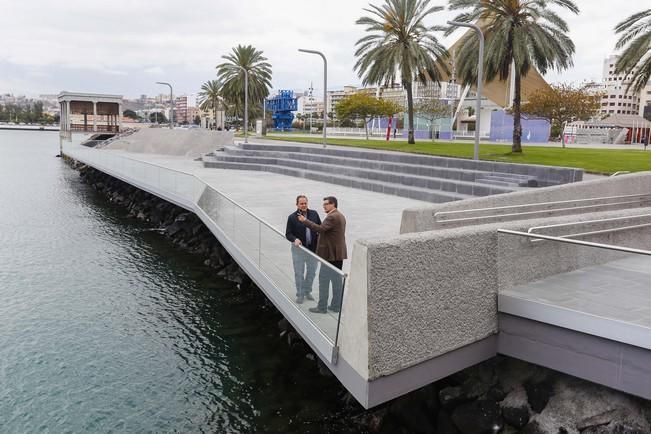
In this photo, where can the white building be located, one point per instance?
(616, 100)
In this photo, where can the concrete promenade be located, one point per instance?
(421, 299)
(272, 197)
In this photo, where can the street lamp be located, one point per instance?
(246, 104)
(325, 89)
(171, 103)
(480, 79)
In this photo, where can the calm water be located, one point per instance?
(105, 326)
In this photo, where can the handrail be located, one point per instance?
(576, 242)
(609, 219)
(537, 204)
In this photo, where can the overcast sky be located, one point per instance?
(123, 47)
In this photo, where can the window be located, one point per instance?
(612, 103)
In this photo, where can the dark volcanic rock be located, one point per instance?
(538, 394)
(478, 417)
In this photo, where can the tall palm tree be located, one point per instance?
(232, 77)
(519, 33)
(636, 40)
(400, 44)
(210, 97)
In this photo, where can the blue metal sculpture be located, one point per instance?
(282, 106)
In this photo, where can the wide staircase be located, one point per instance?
(421, 177)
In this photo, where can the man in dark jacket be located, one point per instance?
(300, 235)
(332, 248)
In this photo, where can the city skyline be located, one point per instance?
(124, 48)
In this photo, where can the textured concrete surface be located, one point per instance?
(429, 294)
(422, 218)
(190, 142)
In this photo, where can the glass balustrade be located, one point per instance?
(293, 271)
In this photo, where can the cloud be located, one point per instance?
(154, 70)
(122, 45)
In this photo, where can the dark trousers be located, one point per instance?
(326, 276)
(304, 271)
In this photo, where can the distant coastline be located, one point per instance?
(29, 127)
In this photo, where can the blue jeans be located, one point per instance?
(326, 276)
(304, 271)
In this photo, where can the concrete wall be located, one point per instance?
(429, 294)
(190, 142)
(433, 292)
(423, 219)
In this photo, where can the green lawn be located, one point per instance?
(605, 161)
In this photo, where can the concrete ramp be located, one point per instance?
(188, 142)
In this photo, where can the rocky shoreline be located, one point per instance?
(501, 395)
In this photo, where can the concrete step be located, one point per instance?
(414, 169)
(512, 179)
(431, 183)
(545, 175)
(411, 192)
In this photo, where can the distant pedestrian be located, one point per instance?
(304, 263)
(645, 141)
(332, 248)
(395, 130)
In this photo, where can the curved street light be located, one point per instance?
(325, 89)
(246, 104)
(171, 103)
(480, 79)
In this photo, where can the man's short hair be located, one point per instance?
(331, 199)
(299, 197)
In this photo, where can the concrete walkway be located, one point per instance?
(272, 197)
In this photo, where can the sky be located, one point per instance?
(123, 47)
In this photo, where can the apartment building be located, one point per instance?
(616, 99)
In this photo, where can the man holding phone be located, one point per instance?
(300, 235)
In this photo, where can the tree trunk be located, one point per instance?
(410, 113)
(517, 117)
(214, 112)
(366, 128)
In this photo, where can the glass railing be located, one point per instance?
(596, 281)
(294, 271)
(263, 246)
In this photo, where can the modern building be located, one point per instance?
(645, 102)
(616, 98)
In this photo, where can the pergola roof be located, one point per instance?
(89, 97)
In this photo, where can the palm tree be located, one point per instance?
(636, 41)
(232, 77)
(519, 33)
(210, 97)
(399, 43)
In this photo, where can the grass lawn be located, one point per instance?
(604, 161)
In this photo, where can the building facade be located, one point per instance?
(616, 99)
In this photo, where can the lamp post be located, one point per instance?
(246, 104)
(171, 103)
(325, 90)
(480, 79)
